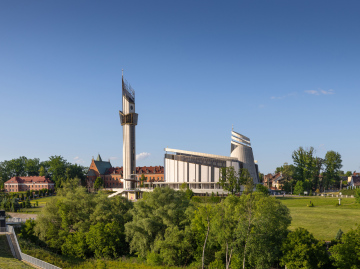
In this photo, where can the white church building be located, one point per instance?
(201, 171)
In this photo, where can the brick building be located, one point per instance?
(113, 176)
(16, 184)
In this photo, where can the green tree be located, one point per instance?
(333, 164)
(67, 219)
(32, 167)
(42, 171)
(152, 215)
(74, 244)
(176, 249)
(224, 226)
(27, 231)
(142, 180)
(201, 224)
(302, 250)
(258, 235)
(230, 180)
(12, 168)
(75, 171)
(345, 255)
(57, 169)
(299, 188)
(261, 177)
(339, 235)
(305, 164)
(357, 195)
(99, 183)
(251, 228)
(246, 180)
(107, 240)
(348, 174)
(263, 189)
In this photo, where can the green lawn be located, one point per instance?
(6, 258)
(325, 218)
(36, 210)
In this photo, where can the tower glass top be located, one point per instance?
(128, 91)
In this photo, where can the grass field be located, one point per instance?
(36, 210)
(6, 258)
(325, 218)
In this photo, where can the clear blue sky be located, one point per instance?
(285, 73)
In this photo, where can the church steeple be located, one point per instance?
(99, 158)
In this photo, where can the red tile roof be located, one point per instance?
(29, 180)
(139, 170)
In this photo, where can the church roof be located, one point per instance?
(102, 167)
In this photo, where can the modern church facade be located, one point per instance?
(201, 171)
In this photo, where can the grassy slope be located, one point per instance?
(6, 258)
(325, 219)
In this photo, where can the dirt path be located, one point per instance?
(22, 215)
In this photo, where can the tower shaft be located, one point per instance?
(128, 119)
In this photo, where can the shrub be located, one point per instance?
(339, 234)
(302, 250)
(311, 204)
(153, 259)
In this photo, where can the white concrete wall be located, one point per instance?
(192, 177)
(216, 174)
(205, 173)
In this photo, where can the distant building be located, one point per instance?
(201, 172)
(113, 176)
(278, 181)
(354, 182)
(16, 184)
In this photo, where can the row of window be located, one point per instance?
(138, 178)
(36, 186)
(119, 185)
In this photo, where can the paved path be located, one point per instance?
(22, 215)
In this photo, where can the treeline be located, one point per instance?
(168, 228)
(312, 173)
(55, 168)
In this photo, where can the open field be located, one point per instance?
(6, 258)
(325, 218)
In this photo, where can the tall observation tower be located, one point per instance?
(128, 120)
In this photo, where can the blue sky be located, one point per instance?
(285, 73)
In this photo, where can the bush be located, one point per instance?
(302, 250)
(299, 188)
(311, 204)
(344, 254)
(153, 259)
(263, 189)
(206, 199)
(348, 191)
(357, 195)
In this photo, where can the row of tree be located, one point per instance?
(56, 168)
(311, 171)
(168, 228)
